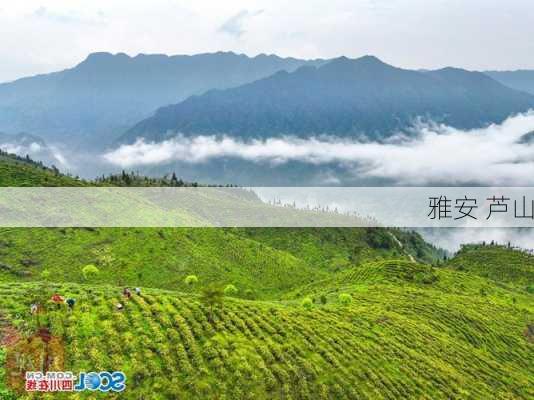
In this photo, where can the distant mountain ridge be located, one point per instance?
(520, 80)
(105, 94)
(344, 97)
(92, 104)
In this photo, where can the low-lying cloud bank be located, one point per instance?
(496, 155)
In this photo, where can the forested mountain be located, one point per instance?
(105, 94)
(344, 97)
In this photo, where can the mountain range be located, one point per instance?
(109, 100)
(106, 94)
(345, 98)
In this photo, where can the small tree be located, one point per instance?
(191, 280)
(211, 297)
(90, 272)
(230, 290)
(307, 303)
(45, 277)
(345, 298)
(323, 299)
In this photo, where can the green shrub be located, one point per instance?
(230, 290)
(345, 298)
(90, 272)
(191, 280)
(5, 394)
(426, 278)
(307, 303)
(212, 296)
(45, 274)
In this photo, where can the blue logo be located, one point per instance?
(102, 381)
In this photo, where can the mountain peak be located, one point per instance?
(101, 57)
(369, 59)
(350, 66)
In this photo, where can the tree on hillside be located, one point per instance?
(307, 303)
(90, 272)
(174, 180)
(230, 290)
(191, 280)
(211, 297)
(345, 298)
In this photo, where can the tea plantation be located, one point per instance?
(397, 338)
(266, 314)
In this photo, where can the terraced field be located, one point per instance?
(496, 262)
(396, 339)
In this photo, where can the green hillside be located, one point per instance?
(313, 313)
(17, 171)
(499, 263)
(397, 338)
(162, 258)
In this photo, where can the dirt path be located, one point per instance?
(8, 334)
(399, 243)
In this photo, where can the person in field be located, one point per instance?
(57, 299)
(70, 303)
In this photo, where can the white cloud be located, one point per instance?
(437, 154)
(235, 25)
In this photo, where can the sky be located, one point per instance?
(38, 36)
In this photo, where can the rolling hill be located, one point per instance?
(22, 171)
(105, 94)
(496, 262)
(313, 313)
(396, 338)
(264, 260)
(344, 98)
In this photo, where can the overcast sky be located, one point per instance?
(38, 36)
